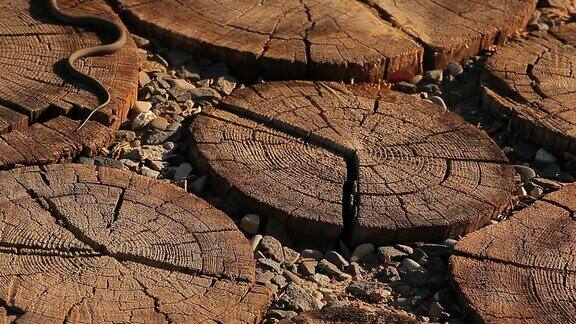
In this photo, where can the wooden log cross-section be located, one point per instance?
(85, 244)
(38, 97)
(522, 270)
(329, 39)
(330, 160)
(531, 82)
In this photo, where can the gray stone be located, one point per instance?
(153, 136)
(526, 173)
(536, 192)
(370, 290)
(142, 119)
(389, 254)
(336, 259)
(454, 68)
(250, 224)
(125, 135)
(404, 248)
(280, 314)
(418, 254)
(416, 79)
(181, 84)
(269, 264)
(225, 84)
(131, 165)
(255, 242)
(410, 265)
(264, 277)
(307, 267)
(354, 269)
(272, 248)
(434, 249)
(279, 281)
(434, 75)
(544, 157)
(405, 87)
(314, 254)
(297, 299)
(328, 268)
(290, 256)
(291, 277)
(548, 185)
(146, 171)
(204, 94)
(143, 78)
(320, 279)
(140, 41)
(362, 251)
(431, 89)
(416, 277)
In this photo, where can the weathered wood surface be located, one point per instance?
(350, 314)
(330, 160)
(316, 39)
(327, 39)
(523, 269)
(35, 91)
(565, 33)
(86, 244)
(35, 84)
(452, 30)
(532, 83)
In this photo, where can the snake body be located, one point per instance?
(99, 23)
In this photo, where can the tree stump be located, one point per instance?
(452, 30)
(330, 160)
(523, 269)
(325, 39)
(37, 97)
(349, 314)
(531, 83)
(94, 244)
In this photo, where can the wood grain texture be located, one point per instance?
(532, 83)
(523, 269)
(33, 82)
(350, 314)
(395, 167)
(452, 30)
(86, 244)
(277, 39)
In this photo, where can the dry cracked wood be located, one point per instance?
(524, 269)
(531, 82)
(349, 314)
(35, 91)
(330, 39)
(452, 30)
(33, 82)
(318, 39)
(86, 244)
(329, 160)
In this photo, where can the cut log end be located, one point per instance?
(531, 83)
(86, 244)
(347, 161)
(510, 272)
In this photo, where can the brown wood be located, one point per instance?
(33, 81)
(521, 270)
(278, 39)
(298, 151)
(86, 244)
(452, 30)
(565, 33)
(350, 314)
(531, 82)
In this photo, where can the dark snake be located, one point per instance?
(98, 23)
